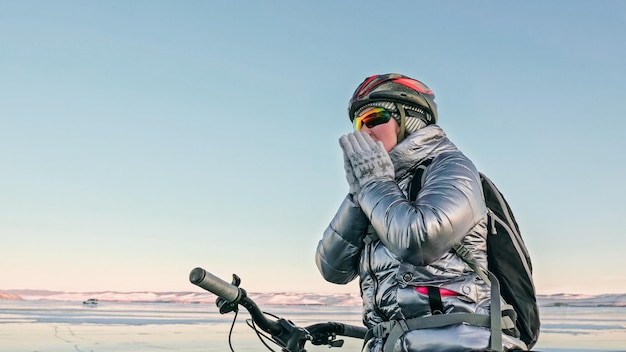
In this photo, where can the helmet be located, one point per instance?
(395, 88)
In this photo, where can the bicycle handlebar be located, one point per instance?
(283, 331)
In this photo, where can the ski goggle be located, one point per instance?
(371, 118)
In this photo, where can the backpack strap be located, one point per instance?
(392, 330)
(496, 320)
(434, 299)
(416, 183)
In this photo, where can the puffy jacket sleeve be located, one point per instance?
(448, 206)
(338, 252)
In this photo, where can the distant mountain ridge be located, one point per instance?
(281, 298)
(278, 298)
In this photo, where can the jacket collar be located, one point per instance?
(423, 144)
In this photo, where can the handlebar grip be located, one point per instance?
(214, 284)
(358, 332)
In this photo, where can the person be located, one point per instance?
(402, 249)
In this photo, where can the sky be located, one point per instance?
(142, 139)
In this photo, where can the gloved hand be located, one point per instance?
(370, 161)
(351, 177)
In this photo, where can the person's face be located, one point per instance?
(386, 132)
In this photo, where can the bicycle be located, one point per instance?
(284, 333)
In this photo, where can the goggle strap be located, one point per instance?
(402, 130)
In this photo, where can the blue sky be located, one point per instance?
(140, 139)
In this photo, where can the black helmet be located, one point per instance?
(395, 88)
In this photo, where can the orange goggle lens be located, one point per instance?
(371, 118)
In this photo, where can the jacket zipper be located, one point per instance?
(375, 282)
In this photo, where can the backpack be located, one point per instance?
(509, 264)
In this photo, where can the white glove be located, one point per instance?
(351, 177)
(370, 161)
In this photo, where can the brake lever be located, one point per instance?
(329, 339)
(335, 343)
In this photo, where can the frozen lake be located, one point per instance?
(110, 326)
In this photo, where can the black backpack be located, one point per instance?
(507, 257)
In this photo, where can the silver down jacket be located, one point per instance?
(413, 250)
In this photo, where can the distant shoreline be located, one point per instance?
(281, 298)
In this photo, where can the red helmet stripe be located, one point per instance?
(414, 84)
(365, 85)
